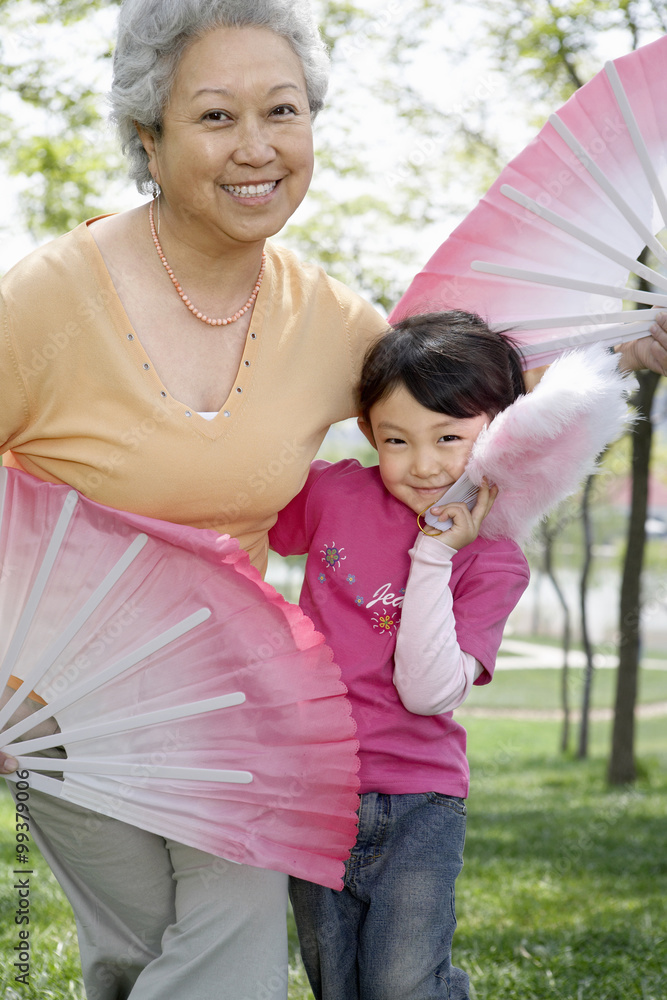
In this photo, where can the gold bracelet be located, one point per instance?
(434, 532)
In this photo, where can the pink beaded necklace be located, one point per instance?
(193, 309)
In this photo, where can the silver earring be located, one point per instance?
(156, 197)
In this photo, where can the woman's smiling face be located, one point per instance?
(235, 155)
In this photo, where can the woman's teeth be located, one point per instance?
(249, 190)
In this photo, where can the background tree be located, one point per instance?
(548, 532)
(554, 48)
(54, 136)
(587, 530)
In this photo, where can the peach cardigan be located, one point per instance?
(82, 404)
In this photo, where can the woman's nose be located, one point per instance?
(253, 146)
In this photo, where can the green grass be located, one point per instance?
(562, 894)
(565, 880)
(541, 688)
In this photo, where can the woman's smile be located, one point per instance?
(248, 191)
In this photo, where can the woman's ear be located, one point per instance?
(366, 430)
(149, 142)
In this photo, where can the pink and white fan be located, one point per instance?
(548, 251)
(192, 700)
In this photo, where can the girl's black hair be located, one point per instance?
(450, 362)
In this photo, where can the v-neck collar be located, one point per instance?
(157, 394)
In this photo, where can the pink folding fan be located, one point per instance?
(191, 699)
(548, 251)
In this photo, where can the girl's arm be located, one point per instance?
(432, 674)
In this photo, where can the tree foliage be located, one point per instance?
(54, 137)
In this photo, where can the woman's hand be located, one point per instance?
(8, 764)
(27, 707)
(649, 352)
(466, 523)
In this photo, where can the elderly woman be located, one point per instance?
(161, 361)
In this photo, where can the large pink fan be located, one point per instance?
(192, 700)
(548, 251)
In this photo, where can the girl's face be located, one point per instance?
(421, 452)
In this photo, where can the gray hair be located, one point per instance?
(152, 37)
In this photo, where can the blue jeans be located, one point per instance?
(388, 934)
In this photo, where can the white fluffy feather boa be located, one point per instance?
(540, 448)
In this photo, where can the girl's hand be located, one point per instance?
(466, 523)
(649, 352)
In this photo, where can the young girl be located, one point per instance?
(428, 387)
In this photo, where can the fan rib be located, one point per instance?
(40, 783)
(3, 490)
(43, 573)
(112, 671)
(174, 712)
(561, 281)
(634, 266)
(609, 189)
(615, 335)
(637, 138)
(627, 316)
(134, 770)
(48, 658)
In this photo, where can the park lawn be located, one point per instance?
(563, 889)
(512, 688)
(562, 894)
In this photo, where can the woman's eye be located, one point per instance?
(216, 116)
(283, 110)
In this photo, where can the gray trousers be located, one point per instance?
(158, 920)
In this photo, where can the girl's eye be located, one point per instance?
(449, 437)
(394, 441)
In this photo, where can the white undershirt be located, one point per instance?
(432, 674)
(208, 414)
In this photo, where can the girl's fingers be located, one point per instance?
(488, 495)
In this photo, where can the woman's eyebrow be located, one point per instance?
(229, 93)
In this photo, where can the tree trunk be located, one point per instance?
(548, 540)
(622, 767)
(582, 750)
